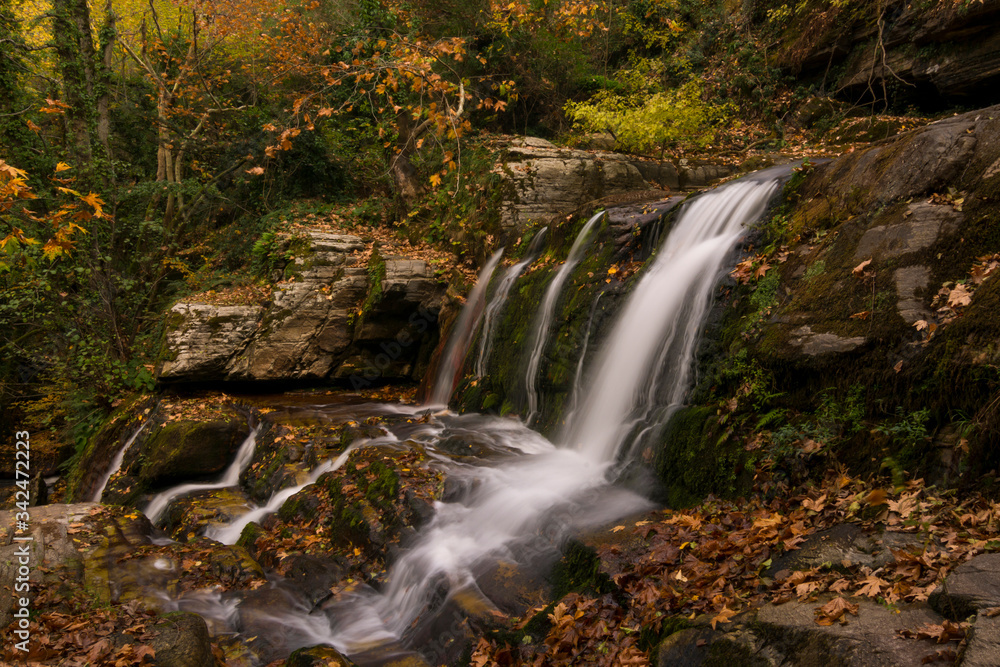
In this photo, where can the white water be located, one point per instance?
(511, 504)
(230, 477)
(499, 300)
(116, 464)
(578, 377)
(543, 321)
(231, 533)
(462, 332)
(524, 506)
(666, 310)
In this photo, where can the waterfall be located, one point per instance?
(509, 505)
(230, 477)
(543, 321)
(499, 300)
(454, 352)
(231, 533)
(663, 316)
(116, 464)
(578, 376)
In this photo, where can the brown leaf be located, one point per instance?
(724, 616)
(876, 497)
(860, 268)
(834, 611)
(959, 296)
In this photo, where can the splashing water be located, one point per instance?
(511, 504)
(543, 321)
(229, 478)
(499, 300)
(464, 329)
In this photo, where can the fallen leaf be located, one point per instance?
(860, 268)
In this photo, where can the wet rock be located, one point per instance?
(969, 588)
(51, 547)
(815, 343)
(182, 641)
(695, 647)
(545, 180)
(922, 224)
(983, 647)
(911, 293)
(312, 576)
(182, 451)
(318, 656)
(845, 545)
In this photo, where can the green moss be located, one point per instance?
(380, 484)
(249, 536)
(300, 506)
(580, 571)
(698, 457)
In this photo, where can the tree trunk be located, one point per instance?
(404, 174)
(76, 56)
(104, 96)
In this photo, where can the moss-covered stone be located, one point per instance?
(697, 457)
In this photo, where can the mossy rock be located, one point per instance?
(696, 458)
(318, 656)
(182, 640)
(187, 450)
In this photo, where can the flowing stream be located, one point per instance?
(499, 300)
(543, 321)
(116, 464)
(519, 506)
(461, 336)
(229, 478)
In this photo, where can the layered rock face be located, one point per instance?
(332, 317)
(929, 51)
(545, 180)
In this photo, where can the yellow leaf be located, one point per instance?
(62, 166)
(435, 180)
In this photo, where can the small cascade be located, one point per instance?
(230, 477)
(509, 505)
(462, 333)
(663, 318)
(578, 376)
(543, 321)
(493, 309)
(116, 464)
(231, 533)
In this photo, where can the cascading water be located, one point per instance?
(499, 300)
(464, 329)
(116, 464)
(524, 506)
(229, 534)
(229, 478)
(665, 311)
(578, 377)
(543, 321)
(511, 503)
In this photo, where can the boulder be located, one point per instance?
(184, 450)
(330, 317)
(930, 53)
(182, 641)
(970, 588)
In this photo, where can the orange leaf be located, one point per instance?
(860, 268)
